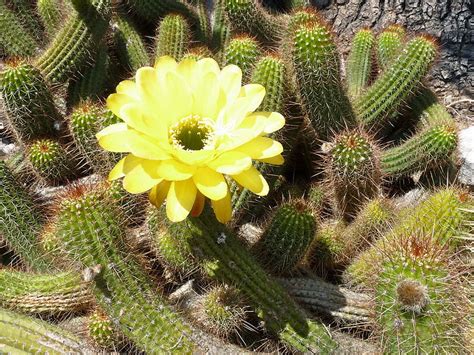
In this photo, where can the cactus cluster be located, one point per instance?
(276, 277)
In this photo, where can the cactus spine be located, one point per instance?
(223, 258)
(45, 294)
(71, 48)
(287, 236)
(376, 106)
(359, 63)
(173, 37)
(433, 145)
(316, 65)
(21, 334)
(129, 45)
(20, 221)
(27, 100)
(88, 228)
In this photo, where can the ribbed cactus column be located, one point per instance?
(316, 64)
(220, 30)
(129, 44)
(73, 45)
(242, 51)
(15, 39)
(249, 16)
(28, 103)
(52, 13)
(385, 96)
(152, 10)
(20, 221)
(359, 64)
(434, 145)
(50, 160)
(173, 37)
(92, 234)
(418, 299)
(354, 172)
(427, 108)
(223, 258)
(45, 294)
(24, 335)
(287, 237)
(389, 45)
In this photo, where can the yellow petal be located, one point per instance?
(165, 63)
(276, 160)
(254, 93)
(254, 181)
(145, 147)
(274, 121)
(159, 192)
(210, 183)
(173, 170)
(198, 205)
(250, 127)
(141, 178)
(223, 208)
(114, 138)
(231, 163)
(208, 65)
(187, 68)
(115, 102)
(206, 96)
(180, 199)
(129, 88)
(117, 171)
(193, 157)
(261, 148)
(176, 101)
(230, 80)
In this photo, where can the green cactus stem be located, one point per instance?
(29, 105)
(417, 300)
(173, 37)
(129, 45)
(242, 51)
(15, 39)
(389, 45)
(316, 64)
(72, 47)
(287, 237)
(50, 160)
(90, 229)
(376, 107)
(220, 30)
(101, 329)
(426, 107)
(20, 221)
(52, 13)
(432, 146)
(152, 10)
(248, 16)
(223, 257)
(354, 172)
(45, 294)
(359, 63)
(20, 334)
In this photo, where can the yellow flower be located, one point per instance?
(188, 127)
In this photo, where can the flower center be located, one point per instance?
(192, 133)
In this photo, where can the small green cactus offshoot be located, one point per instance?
(52, 13)
(49, 160)
(389, 45)
(242, 51)
(359, 63)
(354, 172)
(101, 329)
(173, 37)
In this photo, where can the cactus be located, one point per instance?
(417, 298)
(316, 65)
(432, 146)
(152, 10)
(45, 294)
(287, 236)
(385, 96)
(250, 17)
(354, 172)
(220, 30)
(71, 47)
(101, 329)
(222, 257)
(129, 44)
(359, 63)
(173, 37)
(52, 13)
(88, 228)
(389, 45)
(14, 37)
(27, 100)
(222, 311)
(49, 160)
(21, 221)
(242, 51)
(36, 336)
(427, 108)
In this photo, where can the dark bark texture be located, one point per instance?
(451, 22)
